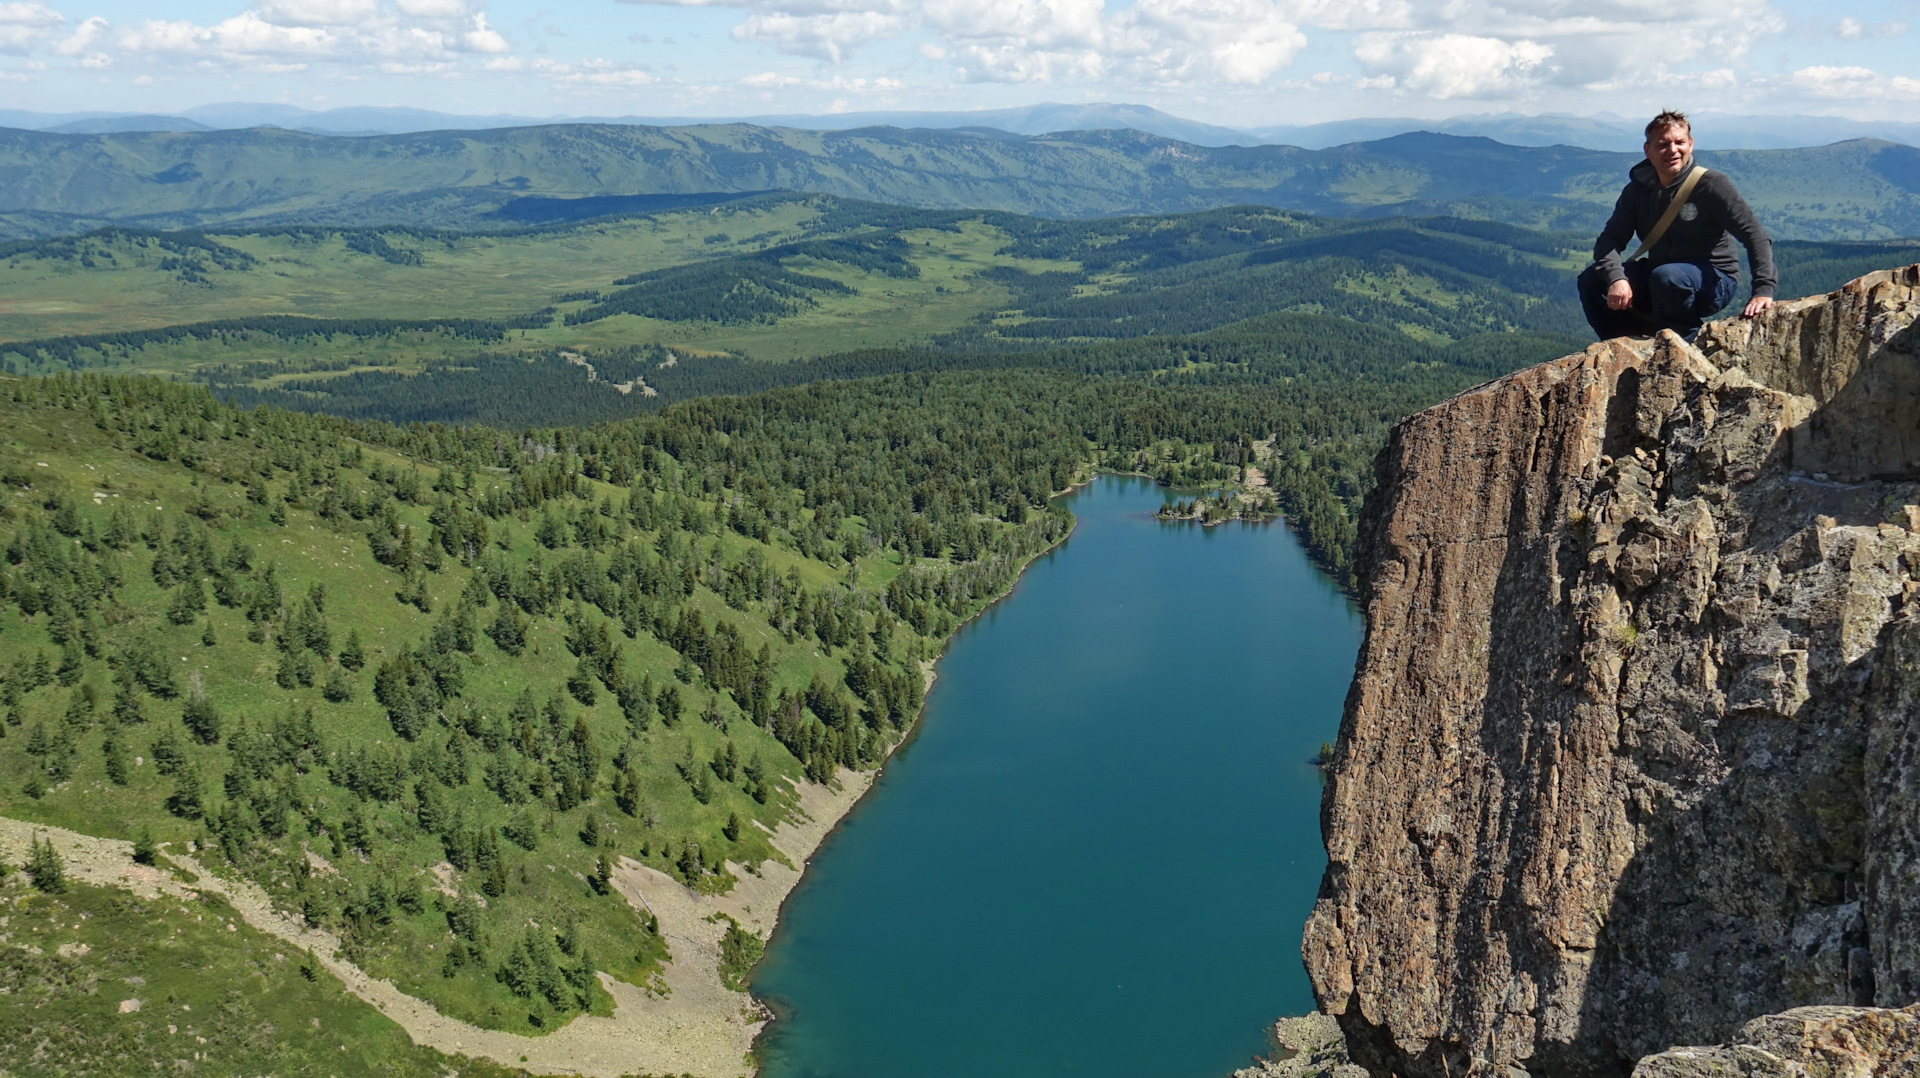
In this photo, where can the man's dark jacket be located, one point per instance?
(1721, 217)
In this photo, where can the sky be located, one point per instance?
(1239, 63)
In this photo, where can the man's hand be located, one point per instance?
(1754, 305)
(1619, 295)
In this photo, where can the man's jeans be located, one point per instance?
(1678, 296)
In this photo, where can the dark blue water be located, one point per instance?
(1097, 855)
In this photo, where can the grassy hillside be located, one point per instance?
(62, 184)
(213, 1000)
(119, 280)
(420, 685)
(618, 316)
(770, 278)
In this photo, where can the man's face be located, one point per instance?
(1669, 149)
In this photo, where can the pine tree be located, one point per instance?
(339, 687)
(118, 770)
(188, 601)
(169, 755)
(602, 878)
(145, 851)
(72, 658)
(581, 684)
(47, 868)
(626, 792)
(352, 655)
(287, 674)
(509, 630)
(184, 801)
(128, 707)
(200, 719)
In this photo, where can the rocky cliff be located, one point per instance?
(1632, 753)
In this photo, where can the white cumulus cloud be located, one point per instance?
(1452, 65)
(830, 36)
(484, 38)
(432, 9)
(246, 34)
(24, 25)
(1452, 49)
(410, 37)
(1853, 84)
(318, 12)
(595, 73)
(1149, 42)
(82, 38)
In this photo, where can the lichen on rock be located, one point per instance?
(1632, 753)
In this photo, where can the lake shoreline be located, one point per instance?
(684, 1020)
(868, 780)
(965, 925)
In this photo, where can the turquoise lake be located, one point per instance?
(1096, 855)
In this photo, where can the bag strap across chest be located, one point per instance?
(1673, 211)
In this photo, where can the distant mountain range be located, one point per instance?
(1025, 120)
(54, 183)
(1602, 132)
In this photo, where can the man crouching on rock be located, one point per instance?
(1690, 270)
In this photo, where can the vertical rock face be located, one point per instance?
(1632, 752)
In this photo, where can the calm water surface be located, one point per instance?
(1096, 856)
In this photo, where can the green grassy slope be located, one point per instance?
(776, 277)
(56, 184)
(213, 1001)
(116, 280)
(770, 278)
(334, 664)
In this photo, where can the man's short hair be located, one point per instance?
(1666, 119)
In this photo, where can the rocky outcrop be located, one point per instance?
(1309, 1046)
(1809, 1042)
(1632, 752)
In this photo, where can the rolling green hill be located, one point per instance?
(775, 277)
(62, 184)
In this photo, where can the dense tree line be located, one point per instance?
(1316, 385)
(67, 350)
(188, 247)
(755, 287)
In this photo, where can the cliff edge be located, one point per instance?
(1632, 752)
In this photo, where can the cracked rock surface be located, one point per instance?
(1808, 1042)
(1632, 752)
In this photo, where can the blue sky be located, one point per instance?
(1234, 62)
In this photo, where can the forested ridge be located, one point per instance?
(473, 179)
